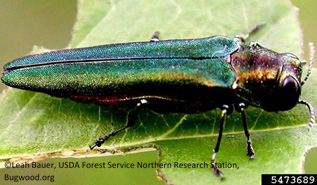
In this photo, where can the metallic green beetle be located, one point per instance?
(180, 76)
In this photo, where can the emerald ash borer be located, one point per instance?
(171, 76)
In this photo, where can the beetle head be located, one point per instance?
(290, 83)
(268, 79)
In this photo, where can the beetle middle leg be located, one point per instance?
(130, 122)
(225, 110)
(250, 150)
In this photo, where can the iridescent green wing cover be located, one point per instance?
(173, 78)
(173, 70)
(211, 47)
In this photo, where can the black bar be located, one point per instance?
(292, 179)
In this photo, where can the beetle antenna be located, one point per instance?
(311, 112)
(311, 61)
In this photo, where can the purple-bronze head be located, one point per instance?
(267, 79)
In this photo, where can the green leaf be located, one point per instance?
(37, 123)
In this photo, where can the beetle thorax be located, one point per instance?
(258, 70)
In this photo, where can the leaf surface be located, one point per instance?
(34, 122)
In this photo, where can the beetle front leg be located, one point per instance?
(250, 150)
(130, 122)
(224, 113)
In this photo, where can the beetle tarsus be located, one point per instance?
(98, 143)
(92, 147)
(101, 140)
(250, 150)
(216, 170)
(130, 122)
(244, 37)
(255, 28)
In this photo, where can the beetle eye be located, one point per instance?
(290, 85)
(288, 94)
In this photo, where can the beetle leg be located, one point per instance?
(256, 45)
(155, 37)
(244, 37)
(130, 122)
(250, 150)
(224, 114)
